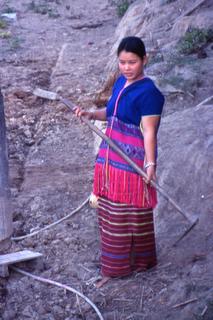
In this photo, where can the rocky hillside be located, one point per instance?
(70, 47)
(178, 36)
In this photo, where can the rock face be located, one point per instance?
(185, 166)
(161, 23)
(185, 172)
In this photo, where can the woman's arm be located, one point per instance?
(92, 115)
(99, 115)
(150, 127)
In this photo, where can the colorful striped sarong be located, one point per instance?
(127, 238)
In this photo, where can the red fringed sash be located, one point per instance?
(123, 187)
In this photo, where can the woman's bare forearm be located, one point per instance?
(150, 128)
(99, 115)
(150, 142)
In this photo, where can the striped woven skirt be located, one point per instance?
(127, 238)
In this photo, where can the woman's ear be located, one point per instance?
(145, 60)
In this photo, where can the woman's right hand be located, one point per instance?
(151, 174)
(79, 112)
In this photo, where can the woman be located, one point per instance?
(125, 199)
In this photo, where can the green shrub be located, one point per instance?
(3, 24)
(122, 7)
(43, 8)
(15, 43)
(53, 14)
(5, 35)
(195, 39)
(38, 8)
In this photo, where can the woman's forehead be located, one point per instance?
(124, 55)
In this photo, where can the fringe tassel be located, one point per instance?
(123, 187)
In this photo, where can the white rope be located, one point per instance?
(52, 224)
(60, 285)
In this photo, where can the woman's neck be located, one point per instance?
(128, 82)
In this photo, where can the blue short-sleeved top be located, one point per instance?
(141, 98)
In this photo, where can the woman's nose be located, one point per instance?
(126, 67)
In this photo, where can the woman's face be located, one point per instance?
(131, 65)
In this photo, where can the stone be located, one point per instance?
(181, 26)
(9, 16)
(28, 312)
(9, 315)
(58, 312)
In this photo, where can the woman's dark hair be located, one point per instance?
(132, 44)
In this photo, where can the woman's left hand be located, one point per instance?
(151, 174)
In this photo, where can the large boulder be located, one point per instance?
(185, 166)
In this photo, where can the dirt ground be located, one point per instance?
(63, 46)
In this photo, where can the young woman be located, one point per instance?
(125, 199)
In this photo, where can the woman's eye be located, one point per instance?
(129, 62)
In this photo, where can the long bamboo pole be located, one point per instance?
(185, 214)
(54, 96)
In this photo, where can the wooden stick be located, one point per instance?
(123, 300)
(60, 285)
(141, 301)
(185, 303)
(185, 233)
(79, 306)
(54, 96)
(204, 101)
(204, 311)
(137, 314)
(85, 268)
(6, 225)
